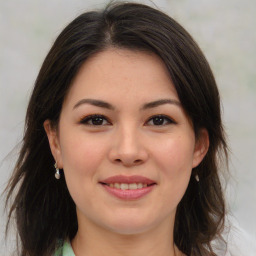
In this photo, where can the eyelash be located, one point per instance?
(164, 120)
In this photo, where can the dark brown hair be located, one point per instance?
(42, 207)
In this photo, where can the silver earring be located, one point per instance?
(197, 178)
(57, 171)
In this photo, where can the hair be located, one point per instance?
(42, 207)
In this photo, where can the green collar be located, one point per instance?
(65, 250)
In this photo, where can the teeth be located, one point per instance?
(125, 186)
(140, 185)
(133, 186)
(116, 185)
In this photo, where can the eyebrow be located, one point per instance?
(97, 103)
(149, 105)
(160, 102)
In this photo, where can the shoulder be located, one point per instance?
(64, 249)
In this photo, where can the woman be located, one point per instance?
(122, 143)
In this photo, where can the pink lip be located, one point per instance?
(128, 180)
(129, 194)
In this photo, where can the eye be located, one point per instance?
(160, 120)
(95, 120)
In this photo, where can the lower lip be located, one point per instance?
(129, 194)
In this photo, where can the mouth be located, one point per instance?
(128, 187)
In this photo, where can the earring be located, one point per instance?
(57, 171)
(197, 178)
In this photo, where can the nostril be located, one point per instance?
(128, 162)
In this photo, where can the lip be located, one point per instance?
(128, 179)
(129, 194)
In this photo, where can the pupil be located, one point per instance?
(158, 121)
(97, 120)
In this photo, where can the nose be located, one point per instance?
(128, 148)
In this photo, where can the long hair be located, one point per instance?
(42, 207)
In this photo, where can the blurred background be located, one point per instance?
(225, 30)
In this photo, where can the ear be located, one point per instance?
(201, 147)
(53, 142)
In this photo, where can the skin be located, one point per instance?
(126, 142)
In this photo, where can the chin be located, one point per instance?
(129, 230)
(131, 226)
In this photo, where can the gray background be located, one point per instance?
(225, 30)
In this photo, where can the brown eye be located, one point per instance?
(96, 120)
(160, 120)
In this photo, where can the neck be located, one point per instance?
(101, 242)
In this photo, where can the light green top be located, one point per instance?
(65, 250)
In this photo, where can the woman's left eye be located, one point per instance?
(95, 120)
(160, 120)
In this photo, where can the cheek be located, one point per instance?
(81, 155)
(175, 155)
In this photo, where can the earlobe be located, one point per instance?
(53, 142)
(201, 147)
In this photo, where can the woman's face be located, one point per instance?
(124, 142)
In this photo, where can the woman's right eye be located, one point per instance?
(95, 120)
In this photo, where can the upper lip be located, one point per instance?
(127, 180)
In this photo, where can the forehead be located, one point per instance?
(120, 73)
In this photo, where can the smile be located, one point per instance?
(128, 187)
(125, 186)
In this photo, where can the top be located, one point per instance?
(65, 250)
